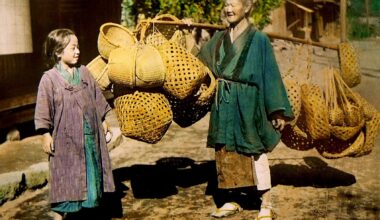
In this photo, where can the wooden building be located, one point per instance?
(21, 69)
(314, 20)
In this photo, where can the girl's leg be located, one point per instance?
(57, 215)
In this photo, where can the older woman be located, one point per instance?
(250, 108)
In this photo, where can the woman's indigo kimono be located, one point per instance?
(61, 108)
(250, 89)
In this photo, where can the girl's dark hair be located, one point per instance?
(55, 43)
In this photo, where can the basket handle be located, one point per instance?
(165, 17)
(204, 97)
(144, 25)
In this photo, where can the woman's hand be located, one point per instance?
(278, 123)
(187, 21)
(47, 144)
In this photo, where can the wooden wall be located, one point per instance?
(20, 73)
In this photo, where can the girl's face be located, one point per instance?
(235, 11)
(70, 55)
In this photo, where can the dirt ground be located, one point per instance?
(175, 178)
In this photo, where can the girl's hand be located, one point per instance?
(105, 127)
(278, 123)
(108, 134)
(47, 144)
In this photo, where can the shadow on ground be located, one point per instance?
(316, 173)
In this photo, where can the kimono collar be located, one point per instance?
(72, 79)
(238, 48)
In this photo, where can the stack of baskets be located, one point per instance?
(332, 118)
(154, 80)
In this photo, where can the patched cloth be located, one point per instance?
(234, 170)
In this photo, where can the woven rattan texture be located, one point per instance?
(144, 116)
(99, 70)
(351, 148)
(184, 72)
(316, 113)
(349, 64)
(293, 89)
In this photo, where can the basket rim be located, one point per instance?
(116, 25)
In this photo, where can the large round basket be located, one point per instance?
(188, 111)
(99, 70)
(144, 116)
(184, 72)
(112, 36)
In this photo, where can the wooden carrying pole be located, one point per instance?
(222, 27)
(343, 21)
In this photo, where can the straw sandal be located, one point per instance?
(272, 214)
(227, 209)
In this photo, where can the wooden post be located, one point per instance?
(367, 14)
(343, 20)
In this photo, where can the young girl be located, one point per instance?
(70, 113)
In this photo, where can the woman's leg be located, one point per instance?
(264, 184)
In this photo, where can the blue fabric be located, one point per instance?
(94, 181)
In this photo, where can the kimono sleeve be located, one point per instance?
(275, 95)
(44, 111)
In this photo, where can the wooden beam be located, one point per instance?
(343, 21)
(303, 41)
(301, 6)
(17, 102)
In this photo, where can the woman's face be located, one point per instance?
(70, 55)
(234, 10)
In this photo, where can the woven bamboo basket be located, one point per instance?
(99, 70)
(349, 64)
(144, 116)
(113, 36)
(368, 109)
(371, 130)
(344, 117)
(137, 66)
(294, 95)
(121, 66)
(350, 104)
(184, 72)
(156, 39)
(346, 132)
(316, 112)
(352, 149)
(163, 31)
(295, 136)
(190, 110)
(150, 68)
